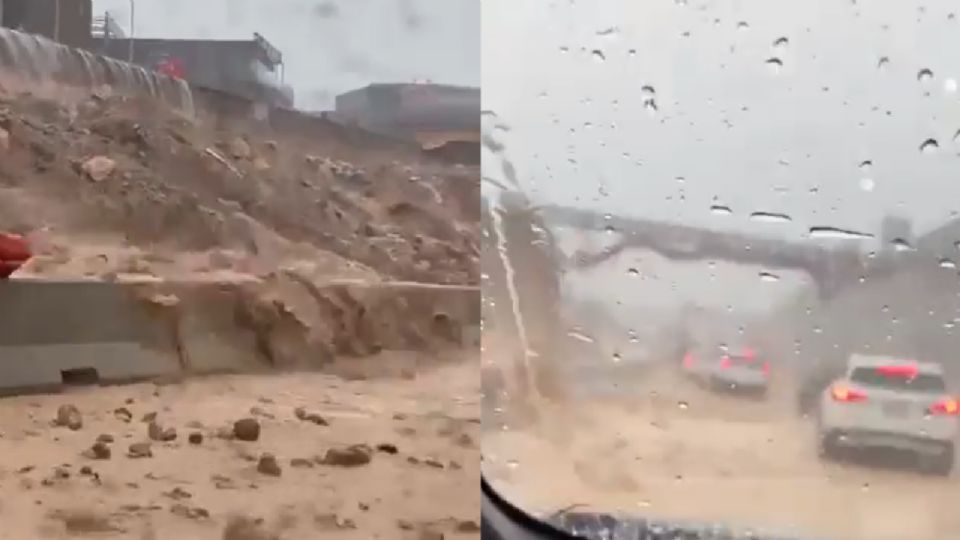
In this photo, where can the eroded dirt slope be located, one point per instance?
(116, 185)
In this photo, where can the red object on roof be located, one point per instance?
(172, 67)
(14, 252)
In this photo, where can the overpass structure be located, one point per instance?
(831, 269)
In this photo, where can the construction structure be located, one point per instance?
(65, 21)
(252, 69)
(431, 114)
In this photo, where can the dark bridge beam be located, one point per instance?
(826, 267)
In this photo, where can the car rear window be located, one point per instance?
(746, 361)
(921, 382)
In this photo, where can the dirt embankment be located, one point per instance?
(115, 185)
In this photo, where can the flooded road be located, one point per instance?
(676, 451)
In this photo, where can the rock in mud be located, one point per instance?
(140, 450)
(301, 463)
(100, 450)
(349, 456)
(240, 148)
(387, 448)
(246, 429)
(195, 438)
(69, 416)
(123, 414)
(268, 465)
(160, 433)
(307, 416)
(105, 438)
(188, 512)
(98, 168)
(246, 528)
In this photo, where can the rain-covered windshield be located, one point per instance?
(666, 173)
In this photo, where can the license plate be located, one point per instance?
(895, 409)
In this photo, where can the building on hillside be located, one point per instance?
(65, 21)
(252, 68)
(431, 114)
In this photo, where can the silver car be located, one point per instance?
(892, 404)
(737, 372)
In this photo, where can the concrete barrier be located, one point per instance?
(59, 333)
(54, 331)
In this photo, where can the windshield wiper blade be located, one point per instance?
(598, 526)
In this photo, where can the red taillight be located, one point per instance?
(946, 406)
(846, 394)
(688, 360)
(725, 362)
(766, 368)
(906, 371)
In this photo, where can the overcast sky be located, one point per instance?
(330, 46)
(731, 126)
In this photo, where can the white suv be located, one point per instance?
(887, 403)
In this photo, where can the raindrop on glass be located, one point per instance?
(929, 146)
(770, 217)
(683, 405)
(781, 43)
(743, 26)
(900, 244)
(768, 277)
(633, 272)
(774, 65)
(883, 62)
(598, 55)
(950, 86)
(578, 335)
(867, 184)
(947, 263)
(834, 233)
(924, 76)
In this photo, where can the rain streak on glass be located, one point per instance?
(929, 146)
(770, 217)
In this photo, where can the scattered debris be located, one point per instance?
(69, 416)
(268, 465)
(246, 429)
(349, 456)
(302, 414)
(140, 450)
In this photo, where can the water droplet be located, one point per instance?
(770, 217)
(883, 62)
(513, 464)
(924, 76)
(612, 31)
(950, 86)
(616, 358)
(649, 96)
(633, 272)
(867, 184)
(900, 244)
(598, 55)
(774, 65)
(865, 487)
(578, 335)
(683, 405)
(743, 25)
(835, 233)
(768, 277)
(865, 165)
(632, 52)
(929, 146)
(947, 263)
(720, 210)
(781, 43)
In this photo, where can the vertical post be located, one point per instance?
(132, 30)
(56, 21)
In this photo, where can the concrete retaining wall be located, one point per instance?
(136, 331)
